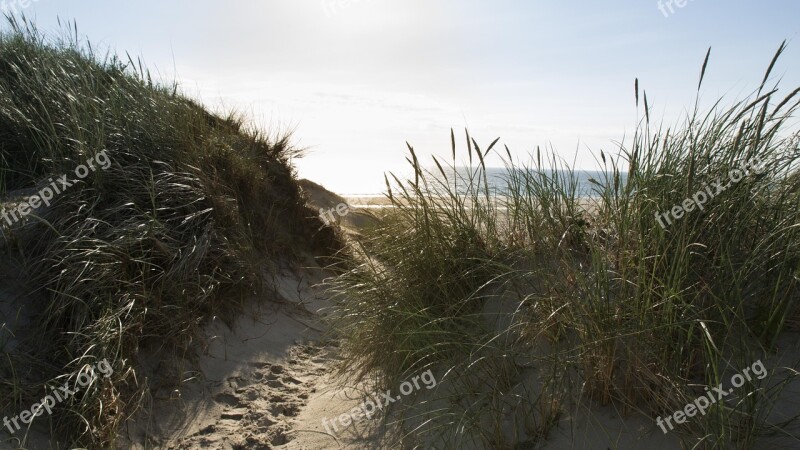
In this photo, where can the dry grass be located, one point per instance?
(605, 308)
(179, 229)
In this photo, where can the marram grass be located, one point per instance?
(530, 301)
(135, 258)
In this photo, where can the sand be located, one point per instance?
(268, 381)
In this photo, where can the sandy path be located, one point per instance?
(250, 381)
(257, 409)
(268, 384)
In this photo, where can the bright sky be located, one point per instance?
(356, 79)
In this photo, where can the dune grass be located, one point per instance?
(181, 228)
(535, 299)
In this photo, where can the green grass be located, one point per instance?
(537, 299)
(135, 258)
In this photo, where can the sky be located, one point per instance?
(355, 80)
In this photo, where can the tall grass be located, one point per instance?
(135, 258)
(534, 300)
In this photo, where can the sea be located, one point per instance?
(587, 184)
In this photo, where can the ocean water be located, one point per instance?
(498, 184)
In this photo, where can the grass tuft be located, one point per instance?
(180, 228)
(533, 298)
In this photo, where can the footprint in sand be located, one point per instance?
(258, 408)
